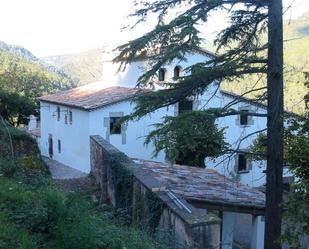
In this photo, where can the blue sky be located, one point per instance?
(50, 27)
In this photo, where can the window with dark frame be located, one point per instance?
(70, 117)
(66, 118)
(185, 106)
(176, 72)
(244, 117)
(161, 74)
(59, 146)
(242, 163)
(58, 113)
(115, 125)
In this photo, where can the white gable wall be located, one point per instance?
(129, 77)
(75, 148)
(74, 137)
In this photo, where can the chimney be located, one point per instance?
(32, 123)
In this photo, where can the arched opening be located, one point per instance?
(177, 70)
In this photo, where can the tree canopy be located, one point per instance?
(173, 38)
(241, 53)
(23, 80)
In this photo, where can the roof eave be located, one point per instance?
(85, 108)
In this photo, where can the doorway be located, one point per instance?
(50, 146)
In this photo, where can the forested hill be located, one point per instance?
(24, 77)
(18, 51)
(22, 72)
(296, 62)
(83, 67)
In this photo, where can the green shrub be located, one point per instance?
(52, 219)
(8, 167)
(13, 237)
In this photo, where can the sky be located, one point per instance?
(52, 27)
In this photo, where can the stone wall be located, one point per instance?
(124, 185)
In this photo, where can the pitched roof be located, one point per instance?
(243, 98)
(91, 96)
(200, 184)
(35, 132)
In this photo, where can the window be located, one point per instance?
(114, 125)
(70, 117)
(162, 74)
(176, 72)
(243, 119)
(185, 105)
(66, 118)
(58, 113)
(59, 146)
(242, 164)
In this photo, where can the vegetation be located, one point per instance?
(22, 80)
(241, 53)
(174, 39)
(296, 54)
(85, 67)
(46, 217)
(16, 108)
(296, 140)
(185, 143)
(35, 214)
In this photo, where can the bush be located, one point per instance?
(12, 237)
(50, 218)
(8, 167)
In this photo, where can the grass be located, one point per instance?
(46, 217)
(36, 214)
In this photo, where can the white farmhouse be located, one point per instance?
(70, 117)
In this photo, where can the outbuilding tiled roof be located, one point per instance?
(200, 184)
(91, 96)
(35, 132)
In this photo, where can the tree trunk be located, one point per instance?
(274, 170)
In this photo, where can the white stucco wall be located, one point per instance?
(75, 150)
(135, 130)
(129, 77)
(234, 132)
(74, 137)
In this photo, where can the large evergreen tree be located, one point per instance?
(241, 54)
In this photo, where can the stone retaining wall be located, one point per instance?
(124, 185)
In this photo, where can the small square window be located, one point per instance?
(242, 165)
(115, 125)
(59, 146)
(58, 113)
(185, 105)
(244, 117)
(70, 117)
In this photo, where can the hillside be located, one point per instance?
(24, 73)
(83, 67)
(296, 62)
(37, 212)
(23, 78)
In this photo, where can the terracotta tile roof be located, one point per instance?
(91, 96)
(200, 184)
